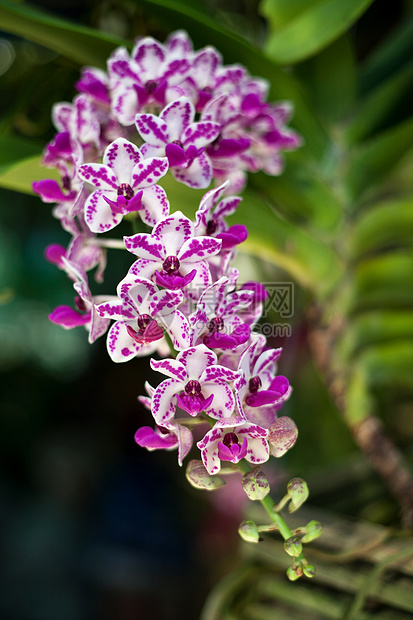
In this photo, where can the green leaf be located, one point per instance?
(281, 12)
(13, 149)
(392, 54)
(301, 195)
(383, 226)
(376, 159)
(313, 29)
(389, 365)
(311, 262)
(20, 176)
(379, 104)
(379, 326)
(384, 282)
(330, 78)
(78, 43)
(235, 49)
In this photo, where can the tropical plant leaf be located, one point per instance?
(379, 104)
(282, 12)
(385, 282)
(383, 227)
(330, 79)
(313, 29)
(78, 43)
(13, 149)
(20, 176)
(373, 161)
(389, 365)
(379, 326)
(311, 262)
(301, 196)
(389, 57)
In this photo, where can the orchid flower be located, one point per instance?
(175, 135)
(124, 183)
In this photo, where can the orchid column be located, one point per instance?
(169, 110)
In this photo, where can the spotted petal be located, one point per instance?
(155, 205)
(145, 246)
(148, 172)
(149, 54)
(171, 368)
(122, 348)
(201, 134)
(122, 156)
(98, 214)
(164, 401)
(100, 176)
(178, 115)
(198, 175)
(152, 129)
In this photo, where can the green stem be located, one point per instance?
(269, 506)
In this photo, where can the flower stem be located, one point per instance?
(269, 505)
(116, 244)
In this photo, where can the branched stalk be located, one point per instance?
(270, 507)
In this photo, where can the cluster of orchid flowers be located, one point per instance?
(169, 109)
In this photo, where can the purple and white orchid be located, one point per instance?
(125, 182)
(166, 109)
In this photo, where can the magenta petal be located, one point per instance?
(69, 318)
(135, 203)
(54, 254)
(220, 340)
(263, 397)
(49, 190)
(224, 453)
(260, 294)
(152, 333)
(233, 236)
(175, 154)
(193, 403)
(241, 333)
(280, 385)
(174, 282)
(228, 147)
(146, 437)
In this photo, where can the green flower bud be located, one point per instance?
(313, 530)
(293, 546)
(309, 570)
(295, 572)
(199, 477)
(255, 484)
(248, 531)
(297, 489)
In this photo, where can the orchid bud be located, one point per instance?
(309, 570)
(295, 572)
(255, 484)
(313, 530)
(297, 490)
(293, 546)
(282, 435)
(249, 531)
(198, 476)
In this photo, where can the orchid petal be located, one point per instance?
(152, 129)
(148, 172)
